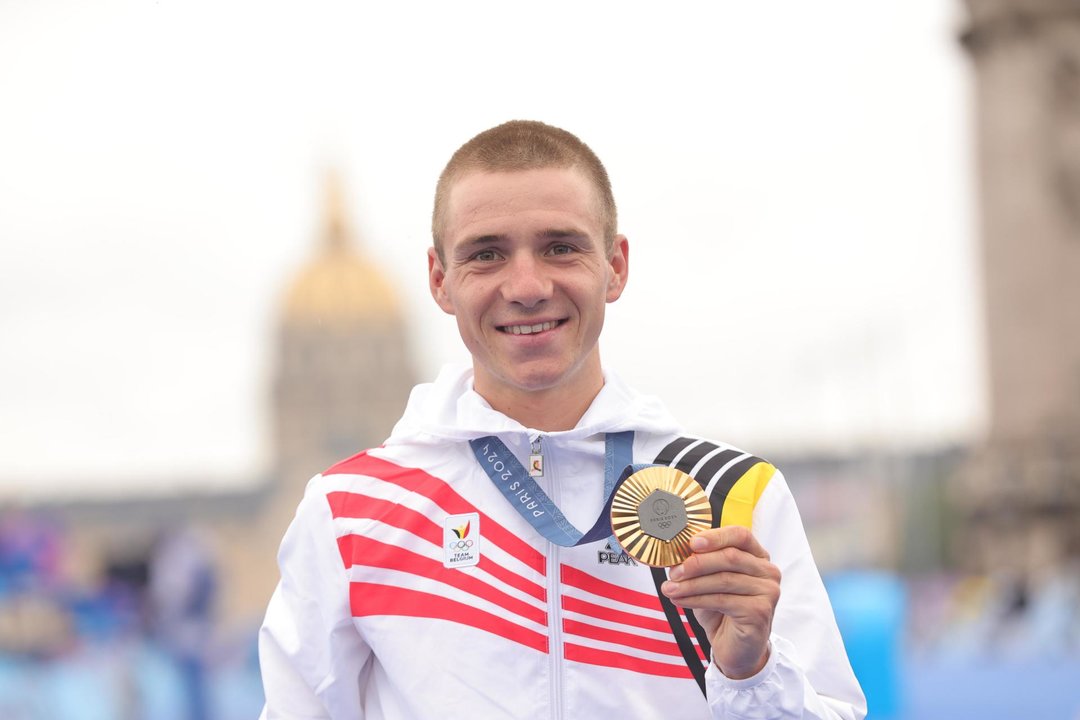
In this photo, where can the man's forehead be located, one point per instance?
(480, 193)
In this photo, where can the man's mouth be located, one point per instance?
(529, 329)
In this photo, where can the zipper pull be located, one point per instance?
(536, 459)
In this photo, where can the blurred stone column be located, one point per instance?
(1020, 495)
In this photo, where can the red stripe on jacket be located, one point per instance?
(360, 550)
(370, 599)
(603, 612)
(592, 656)
(621, 637)
(439, 492)
(355, 505)
(583, 581)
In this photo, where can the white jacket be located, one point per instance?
(379, 613)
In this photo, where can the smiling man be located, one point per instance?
(447, 574)
(524, 265)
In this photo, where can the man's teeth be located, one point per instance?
(529, 329)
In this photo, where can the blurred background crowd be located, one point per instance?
(146, 636)
(142, 640)
(180, 350)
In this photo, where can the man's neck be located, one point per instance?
(538, 414)
(548, 410)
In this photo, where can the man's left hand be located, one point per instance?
(733, 589)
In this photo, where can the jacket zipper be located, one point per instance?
(555, 649)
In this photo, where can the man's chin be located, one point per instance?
(537, 382)
(527, 379)
(538, 378)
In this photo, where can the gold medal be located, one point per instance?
(656, 511)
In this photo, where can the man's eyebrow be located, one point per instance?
(467, 246)
(560, 233)
(582, 240)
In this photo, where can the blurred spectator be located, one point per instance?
(30, 552)
(183, 585)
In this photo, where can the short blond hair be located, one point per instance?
(524, 145)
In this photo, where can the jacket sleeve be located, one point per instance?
(808, 674)
(310, 654)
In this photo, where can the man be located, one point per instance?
(437, 577)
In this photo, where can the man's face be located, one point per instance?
(527, 275)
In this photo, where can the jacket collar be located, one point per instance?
(449, 409)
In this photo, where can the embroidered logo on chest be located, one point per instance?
(461, 540)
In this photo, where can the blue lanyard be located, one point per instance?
(534, 505)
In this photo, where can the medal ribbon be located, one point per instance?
(534, 505)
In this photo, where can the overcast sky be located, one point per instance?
(795, 179)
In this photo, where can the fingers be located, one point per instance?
(730, 536)
(730, 564)
(726, 550)
(728, 593)
(715, 584)
(725, 560)
(733, 586)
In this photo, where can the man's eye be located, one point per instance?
(561, 249)
(486, 256)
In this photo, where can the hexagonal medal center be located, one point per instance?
(662, 515)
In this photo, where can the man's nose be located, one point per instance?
(527, 281)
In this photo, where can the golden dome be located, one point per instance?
(338, 286)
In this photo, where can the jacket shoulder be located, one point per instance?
(733, 479)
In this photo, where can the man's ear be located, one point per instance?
(437, 281)
(619, 266)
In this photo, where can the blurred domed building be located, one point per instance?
(342, 375)
(343, 365)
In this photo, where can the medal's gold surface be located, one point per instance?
(626, 520)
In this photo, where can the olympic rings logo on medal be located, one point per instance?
(459, 544)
